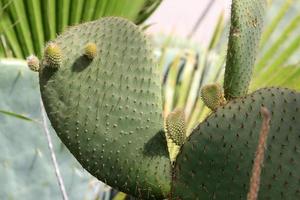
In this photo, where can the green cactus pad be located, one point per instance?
(216, 160)
(108, 110)
(245, 31)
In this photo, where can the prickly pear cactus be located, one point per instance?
(216, 160)
(105, 104)
(108, 110)
(245, 32)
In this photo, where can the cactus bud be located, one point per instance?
(90, 50)
(175, 126)
(53, 55)
(33, 63)
(213, 96)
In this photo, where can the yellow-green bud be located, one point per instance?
(90, 50)
(175, 126)
(53, 55)
(213, 96)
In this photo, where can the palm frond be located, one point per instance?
(28, 24)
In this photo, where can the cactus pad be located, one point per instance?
(216, 160)
(245, 31)
(107, 111)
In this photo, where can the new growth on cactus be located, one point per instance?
(175, 126)
(109, 115)
(213, 96)
(33, 63)
(90, 50)
(53, 55)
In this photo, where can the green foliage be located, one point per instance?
(108, 111)
(28, 24)
(26, 171)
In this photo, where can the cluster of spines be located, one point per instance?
(213, 96)
(175, 126)
(53, 55)
(90, 50)
(33, 63)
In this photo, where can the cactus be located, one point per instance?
(245, 32)
(107, 111)
(175, 126)
(90, 50)
(33, 63)
(213, 96)
(219, 153)
(53, 56)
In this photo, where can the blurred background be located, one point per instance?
(190, 41)
(178, 18)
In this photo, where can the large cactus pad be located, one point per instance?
(216, 161)
(107, 110)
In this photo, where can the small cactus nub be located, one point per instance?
(90, 50)
(213, 96)
(33, 63)
(175, 126)
(53, 55)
